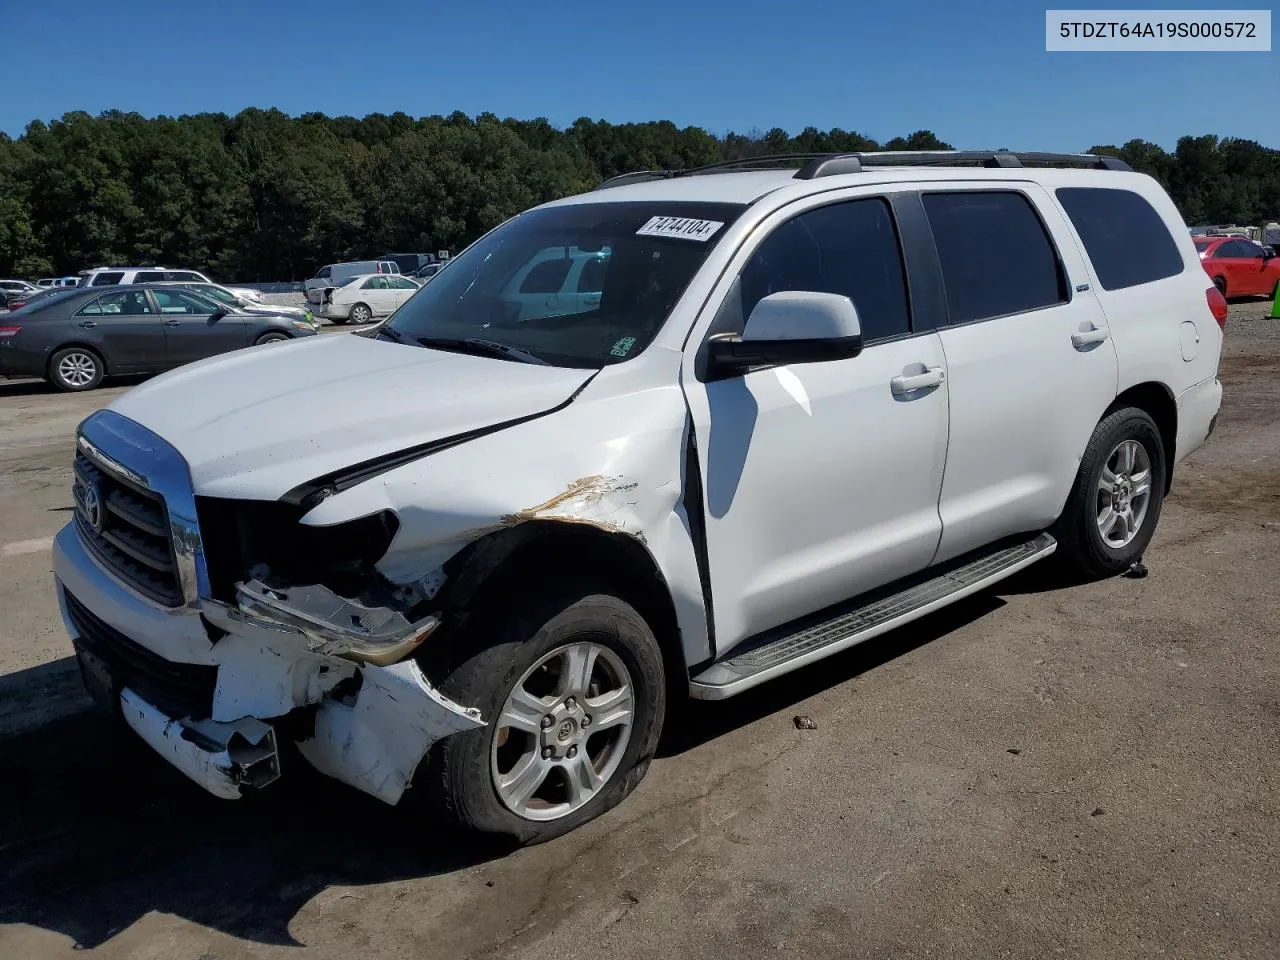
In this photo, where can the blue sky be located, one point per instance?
(975, 74)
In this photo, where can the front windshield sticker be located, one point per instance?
(685, 228)
(622, 347)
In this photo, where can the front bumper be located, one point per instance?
(365, 725)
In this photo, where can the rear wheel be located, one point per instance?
(1221, 284)
(75, 368)
(573, 691)
(1115, 503)
(361, 313)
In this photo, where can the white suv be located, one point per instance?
(805, 408)
(110, 276)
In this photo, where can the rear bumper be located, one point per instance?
(1197, 416)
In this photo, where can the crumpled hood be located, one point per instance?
(258, 422)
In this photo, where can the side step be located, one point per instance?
(775, 653)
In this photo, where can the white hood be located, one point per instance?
(255, 423)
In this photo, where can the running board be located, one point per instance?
(772, 654)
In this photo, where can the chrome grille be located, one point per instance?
(126, 527)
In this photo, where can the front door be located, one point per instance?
(191, 331)
(821, 480)
(1030, 362)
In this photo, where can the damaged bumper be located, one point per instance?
(221, 757)
(211, 691)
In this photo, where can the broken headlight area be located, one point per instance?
(319, 582)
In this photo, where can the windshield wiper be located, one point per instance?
(391, 332)
(482, 348)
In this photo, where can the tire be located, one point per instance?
(360, 313)
(1082, 546)
(1221, 284)
(537, 629)
(76, 369)
(273, 337)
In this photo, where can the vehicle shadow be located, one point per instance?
(704, 721)
(35, 388)
(96, 832)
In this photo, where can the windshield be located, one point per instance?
(580, 285)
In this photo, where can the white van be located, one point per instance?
(336, 274)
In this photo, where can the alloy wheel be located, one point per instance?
(562, 732)
(1124, 493)
(77, 369)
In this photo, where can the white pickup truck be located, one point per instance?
(799, 408)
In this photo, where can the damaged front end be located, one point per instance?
(304, 626)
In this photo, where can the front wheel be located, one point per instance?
(573, 692)
(272, 338)
(1113, 508)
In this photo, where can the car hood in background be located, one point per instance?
(258, 422)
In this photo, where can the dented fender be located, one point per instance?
(613, 460)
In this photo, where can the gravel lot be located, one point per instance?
(1086, 771)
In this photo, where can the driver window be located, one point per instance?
(847, 248)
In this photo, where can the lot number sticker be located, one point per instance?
(684, 228)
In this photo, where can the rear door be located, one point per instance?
(124, 327)
(1029, 358)
(192, 331)
(376, 292)
(402, 288)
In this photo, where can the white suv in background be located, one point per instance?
(805, 407)
(109, 276)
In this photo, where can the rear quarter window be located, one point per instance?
(1126, 240)
(106, 279)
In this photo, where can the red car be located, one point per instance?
(1239, 267)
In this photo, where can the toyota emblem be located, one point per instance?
(91, 507)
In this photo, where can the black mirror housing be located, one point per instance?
(733, 356)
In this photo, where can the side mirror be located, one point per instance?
(1268, 253)
(218, 314)
(794, 326)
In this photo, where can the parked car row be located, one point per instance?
(77, 336)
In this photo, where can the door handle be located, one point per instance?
(173, 323)
(1088, 338)
(88, 324)
(906, 383)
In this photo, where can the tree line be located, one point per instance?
(265, 196)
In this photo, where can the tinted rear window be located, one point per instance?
(1125, 238)
(106, 279)
(996, 256)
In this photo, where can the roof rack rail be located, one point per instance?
(814, 165)
(837, 163)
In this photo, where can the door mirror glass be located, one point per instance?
(792, 326)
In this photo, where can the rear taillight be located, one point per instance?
(1217, 306)
(10, 330)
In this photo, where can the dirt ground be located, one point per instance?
(1086, 771)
